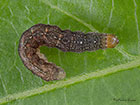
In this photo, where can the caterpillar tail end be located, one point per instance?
(61, 75)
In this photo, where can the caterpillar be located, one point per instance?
(65, 40)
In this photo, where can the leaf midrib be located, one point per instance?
(70, 81)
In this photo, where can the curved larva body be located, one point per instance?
(65, 40)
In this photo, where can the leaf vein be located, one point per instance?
(137, 26)
(70, 15)
(70, 81)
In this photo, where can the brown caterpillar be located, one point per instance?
(65, 40)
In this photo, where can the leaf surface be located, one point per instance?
(109, 77)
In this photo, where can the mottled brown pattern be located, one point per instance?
(52, 36)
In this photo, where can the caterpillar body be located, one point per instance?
(65, 40)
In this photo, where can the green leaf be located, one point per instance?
(104, 77)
